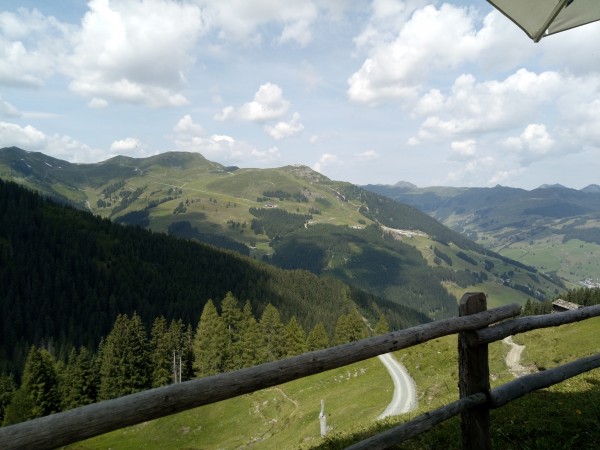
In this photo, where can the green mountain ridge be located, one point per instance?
(290, 216)
(67, 274)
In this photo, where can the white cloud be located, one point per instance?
(8, 110)
(97, 103)
(409, 45)
(135, 51)
(432, 40)
(327, 159)
(241, 21)
(475, 171)
(187, 127)
(268, 104)
(463, 150)
(191, 137)
(387, 17)
(369, 155)
(126, 145)
(283, 130)
(475, 108)
(27, 137)
(31, 46)
(60, 146)
(532, 144)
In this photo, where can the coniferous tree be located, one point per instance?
(80, 379)
(39, 393)
(231, 315)
(208, 342)
(295, 338)
(350, 327)
(271, 328)
(317, 338)
(187, 353)
(8, 388)
(125, 359)
(162, 353)
(250, 338)
(382, 326)
(342, 330)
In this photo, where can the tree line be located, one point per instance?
(66, 275)
(129, 359)
(581, 296)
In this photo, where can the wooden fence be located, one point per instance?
(474, 403)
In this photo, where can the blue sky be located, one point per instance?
(432, 93)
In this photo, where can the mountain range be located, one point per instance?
(291, 217)
(553, 228)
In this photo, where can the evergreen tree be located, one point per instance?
(162, 353)
(19, 409)
(350, 327)
(125, 359)
(342, 330)
(208, 342)
(39, 392)
(8, 388)
(232, 320)
(382, 326)
(250, 338)
(271, 329)
(80, 379)
(295, 338)
(187, 352)
(317, 339)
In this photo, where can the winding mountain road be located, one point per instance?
(405, 393)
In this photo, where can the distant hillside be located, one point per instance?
(554, 228)
(66, 275)
(292, 217)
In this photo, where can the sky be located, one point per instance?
(433, 93)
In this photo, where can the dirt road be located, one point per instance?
(405, 393)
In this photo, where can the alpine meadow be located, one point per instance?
(130, 274)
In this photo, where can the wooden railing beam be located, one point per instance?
(420, 424)
(523, 324)
(515, 389)
(87, 421)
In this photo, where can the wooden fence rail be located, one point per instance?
(497, 397)
(81, 423)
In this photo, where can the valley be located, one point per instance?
(287, 237)
(552, 228)
(292, 217)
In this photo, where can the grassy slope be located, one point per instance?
(497, 293)
(281, 417)
(218, 197)
(561, 417)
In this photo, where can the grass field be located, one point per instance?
(282, 417)
(564, 416)
(573, 260)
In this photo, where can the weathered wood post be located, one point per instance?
(323, 419)
(474, 377)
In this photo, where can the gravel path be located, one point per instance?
(513, 358)
(405, 393)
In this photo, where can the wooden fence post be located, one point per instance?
(474, 377)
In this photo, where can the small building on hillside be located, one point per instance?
(561, 305)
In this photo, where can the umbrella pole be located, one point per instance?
(557, 9)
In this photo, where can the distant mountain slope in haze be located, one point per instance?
(541, 227)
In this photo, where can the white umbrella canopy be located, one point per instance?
(539, 18)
